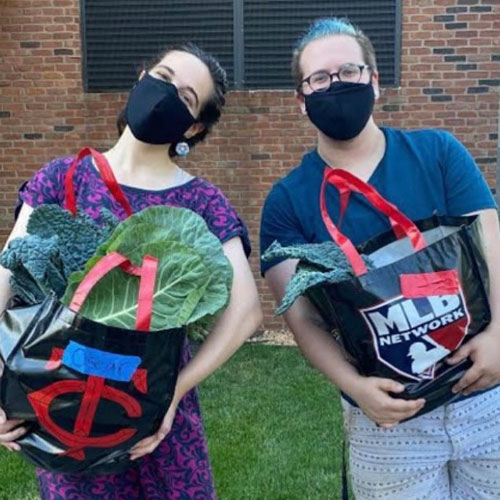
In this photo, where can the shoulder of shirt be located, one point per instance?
(60, 162)
(208, 188)
(56, 168)
(420, 135)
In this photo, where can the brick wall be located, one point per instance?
(450, 78)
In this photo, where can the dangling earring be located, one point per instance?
(182, 148)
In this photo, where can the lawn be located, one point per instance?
(273, 427)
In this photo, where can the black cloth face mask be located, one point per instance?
(342, 111)
(155, 112)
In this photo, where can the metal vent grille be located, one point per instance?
(272, 29)
(120, 36)
(253, 39)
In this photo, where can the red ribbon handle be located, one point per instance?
(342, 241)
(147, 273)
(107, 176)
(345, 182)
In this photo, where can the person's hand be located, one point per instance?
(9, 433)
(484, 352)
(372, 396)
(149, 444)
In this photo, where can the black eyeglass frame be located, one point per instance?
(361, 67)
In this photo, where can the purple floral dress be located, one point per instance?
(179, 468)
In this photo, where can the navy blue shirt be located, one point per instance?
(422, 172)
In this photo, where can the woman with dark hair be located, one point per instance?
(171, 108)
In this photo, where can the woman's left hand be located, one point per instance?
(149, 444)
(484, 352)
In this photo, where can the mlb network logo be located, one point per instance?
(412, 335)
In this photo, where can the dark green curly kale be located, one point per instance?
(57, 244)
(78, 237)
(319, 264)
(36, 267)
(325, 255)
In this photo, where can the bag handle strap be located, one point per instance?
(147, 273)
(342, 241)
(107, 176)
(345, 182)
(345, 194)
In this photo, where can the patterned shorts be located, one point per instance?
(451, 453)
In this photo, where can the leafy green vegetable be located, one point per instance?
(35, 264)
(186, 226)
(78, 237)
(319, 264)
(194, 276)
(180, 282)
(57, 244)
(326, 255)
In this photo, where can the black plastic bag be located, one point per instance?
(88, 392)
(426, 296)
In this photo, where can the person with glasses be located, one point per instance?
(453, 451)
(320, 81)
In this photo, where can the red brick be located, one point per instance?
(262, 134)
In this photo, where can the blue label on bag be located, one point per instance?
(99, 363)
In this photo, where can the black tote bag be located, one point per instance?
(424, 296)
(88, 392)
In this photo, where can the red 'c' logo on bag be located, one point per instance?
(92, 389)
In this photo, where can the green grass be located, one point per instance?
(273, 427)
(17, 478)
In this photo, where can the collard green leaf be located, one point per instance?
(183, 225)
(180, 282)
(194, 275)
(186, 226)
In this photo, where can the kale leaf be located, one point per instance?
(319, 264)
(78, 236)
(57, 244)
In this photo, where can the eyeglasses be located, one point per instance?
(321, 80)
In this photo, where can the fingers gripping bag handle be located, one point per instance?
(347, 183)
(146, 273)
(107, 176)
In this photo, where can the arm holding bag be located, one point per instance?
(426, 296)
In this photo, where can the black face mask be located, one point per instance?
(156, 113)
(342, 111)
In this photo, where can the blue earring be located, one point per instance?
(182, 148)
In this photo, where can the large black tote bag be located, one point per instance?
(89, 392)
(425, 295)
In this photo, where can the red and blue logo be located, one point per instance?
(411, 335)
